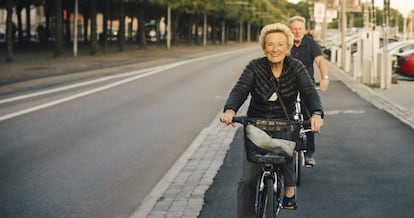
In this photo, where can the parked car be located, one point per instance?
(405, 64)
(395, 48)
(399, 47)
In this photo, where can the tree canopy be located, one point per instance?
(224, 17)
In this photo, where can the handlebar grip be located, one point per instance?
(237, 120)
(306, 123)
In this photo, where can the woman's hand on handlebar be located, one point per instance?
(323, 85)
(316, 123)
(227, 117)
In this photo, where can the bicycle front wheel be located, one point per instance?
(298, 162)
(270, 208)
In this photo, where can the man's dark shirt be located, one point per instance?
(307, 51)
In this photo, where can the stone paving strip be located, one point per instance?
(185, 196)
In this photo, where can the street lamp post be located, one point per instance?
(386, 68)
(75, 30)
(169, 28)
(343, 28)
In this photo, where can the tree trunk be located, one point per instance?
(141, 28)
(174, 27)
(94, 41)
(58, 29)
(105, 26)
(85, 28)
(9, 31)
(28, 24)
(190, 30)
(19, 24)
(121, 31)
(67, 36)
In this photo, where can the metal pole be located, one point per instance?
(169, 28)
(205, 30)
(373, 15)
(249, 29)
(325, 23)
(75, 31)
(241, 31)
(405, 28)
(343, 25)
(223, 32)
(386, 69)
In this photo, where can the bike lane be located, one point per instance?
(364, 165)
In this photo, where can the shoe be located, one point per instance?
(289, 203)
(309, 161)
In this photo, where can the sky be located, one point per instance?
(404, 6)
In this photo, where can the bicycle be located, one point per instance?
(299, 154)
(270, 185)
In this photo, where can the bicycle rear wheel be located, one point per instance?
(298, 163)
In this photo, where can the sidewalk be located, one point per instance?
(196, 169)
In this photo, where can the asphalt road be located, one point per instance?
(364, 166)
(97, 150)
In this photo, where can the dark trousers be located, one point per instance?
(310, 146)
(246, 193)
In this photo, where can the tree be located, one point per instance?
(58, 29)
(10, 29)
(94, 34)
(121, 31)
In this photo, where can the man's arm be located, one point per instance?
(320, 62)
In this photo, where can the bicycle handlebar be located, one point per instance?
(246, 120)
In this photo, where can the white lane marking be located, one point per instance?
(49, 91)
(335, 112)
(105, 87)
(167, 66)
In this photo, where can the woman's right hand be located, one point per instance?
(227, 117)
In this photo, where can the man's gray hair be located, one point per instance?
(297, 18)
(276, 28)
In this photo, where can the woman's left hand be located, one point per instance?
(316, 123)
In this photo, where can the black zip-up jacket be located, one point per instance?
(257, 79)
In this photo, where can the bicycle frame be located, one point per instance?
(299, 159)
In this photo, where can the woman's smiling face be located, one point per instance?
(276, 47)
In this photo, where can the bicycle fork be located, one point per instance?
(265, 175)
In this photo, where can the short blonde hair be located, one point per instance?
(276, 28)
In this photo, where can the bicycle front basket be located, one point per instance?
(270, 141)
